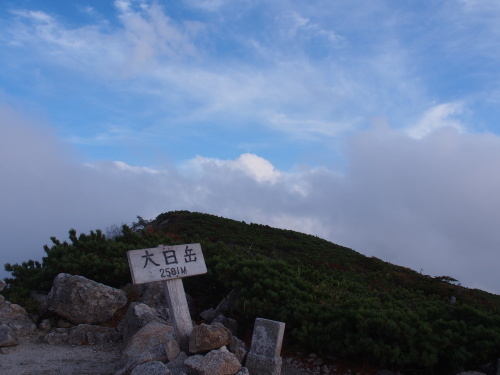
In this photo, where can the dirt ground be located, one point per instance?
(35, 357)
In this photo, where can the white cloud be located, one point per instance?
(251, 165)
(438, 116)
(429, 203)
(299, 26)
(176, 64)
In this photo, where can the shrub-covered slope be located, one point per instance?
(333, 299)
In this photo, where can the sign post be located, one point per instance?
(169, 264)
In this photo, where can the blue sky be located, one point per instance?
(371, 123)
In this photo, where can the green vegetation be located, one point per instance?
(333, 299)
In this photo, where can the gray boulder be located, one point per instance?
(152, 294)
(229, 323)
(151, 368)
(2, 285)
(238, 348)
(16, 318)
(149, 344)
(81, 300)
(7, 336)
(177, 366)
(138, 315)
(208, 337)
(225, 305)
(216, 362)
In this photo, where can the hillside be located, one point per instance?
(334, 300)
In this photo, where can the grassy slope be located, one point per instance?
(334, 300)
(311, 252)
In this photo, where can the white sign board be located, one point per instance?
(166, 263)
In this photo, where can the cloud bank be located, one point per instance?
(428, 203)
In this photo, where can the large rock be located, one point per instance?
(177, 365)
(7, 336)
(152, 294)
(208, 337)
(217, 362)
(225, 305)
(16, 318)
(2, 285)
(239, 349)
(81, 300)
(138, 315)
(229, 323)
(149, 344)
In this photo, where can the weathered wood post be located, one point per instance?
(169, 264)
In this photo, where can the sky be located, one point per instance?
(373, 124)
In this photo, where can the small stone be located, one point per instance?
(63, 323)
(318, 362)
(45, 325)
(172, 349)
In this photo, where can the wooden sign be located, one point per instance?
(166, 263)
(170, 264)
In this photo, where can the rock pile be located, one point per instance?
(76, 308)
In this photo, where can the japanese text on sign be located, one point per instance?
(166, 262)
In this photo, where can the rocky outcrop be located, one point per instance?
(151, 345)
(81, 300)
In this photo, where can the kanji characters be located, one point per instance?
(148, 258)
(189, 255)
